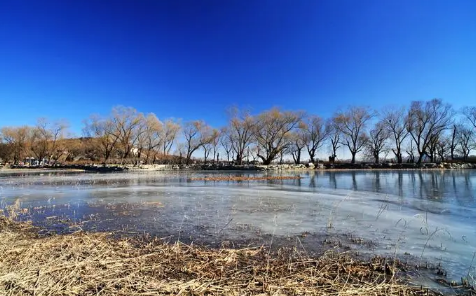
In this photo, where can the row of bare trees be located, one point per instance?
(41, 141)
(426, 130)
(127, 133)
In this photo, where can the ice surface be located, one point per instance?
(429, 215)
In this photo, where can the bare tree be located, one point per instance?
(271, 129)
(314, 132)
(439, 147)
(193, 132)
(352, 123)
(16, 139)
(45, 138)
(151, 137)
(57, 132)
(465, 141)
(425, 121)
(432, 146)
(443, 144)
(296, 145)
(215, 142)
(102, 131)
(209, 142)
(376, 143)
(394, 120)
(128, 126)
(180, 149)
(411, 151)
(6, 151)
(470, 114)
(226, 142)
(453, 142)
(281, 154)
(170, 130)
(240, 129)
(253, 151)
(334, 139)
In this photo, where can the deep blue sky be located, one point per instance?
(192, 59)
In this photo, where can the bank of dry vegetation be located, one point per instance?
(245, 178)
(97, 264)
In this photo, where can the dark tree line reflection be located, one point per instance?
(440, 186)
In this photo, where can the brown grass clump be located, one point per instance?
(96, 264)
(242, 178)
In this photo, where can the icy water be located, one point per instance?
(426, 215)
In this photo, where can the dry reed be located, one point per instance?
(85, 263)
(97, 264)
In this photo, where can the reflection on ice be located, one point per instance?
(429, 215)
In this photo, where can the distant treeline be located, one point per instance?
(424, 131)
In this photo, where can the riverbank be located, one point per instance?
(246, 167)
(85, 263)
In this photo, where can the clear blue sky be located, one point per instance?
(192, 59)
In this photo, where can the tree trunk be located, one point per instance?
(239, 159)
(297, 157)
(377, 158)
(311, 155)
(420, 158)
(266, 160)
(398, 155)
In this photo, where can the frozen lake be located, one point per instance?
(430, 215)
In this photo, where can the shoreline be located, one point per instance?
(88, 263)
(243, 168)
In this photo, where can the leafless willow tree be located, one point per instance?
(352, 124)
(170, 130)
(45, 137)
(6, 152)
(39, 141)
(296, 145)
(240, 131)
(425, 121)
(150, 138)
(253, 151)
(226, 142)
(209, 142)
(394, 120)
(334, 137)
(195, 136)
(441, 148)
(215, 143)
(16, 140)
(453, 140)
(271, 129)
(101, 134)
(128, 125)
(377, 142)
(57, 132)
(411, 151)
(315, 132)
(465, 140)
(470, 114)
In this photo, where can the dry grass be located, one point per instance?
(96, 264)
(242, 178)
